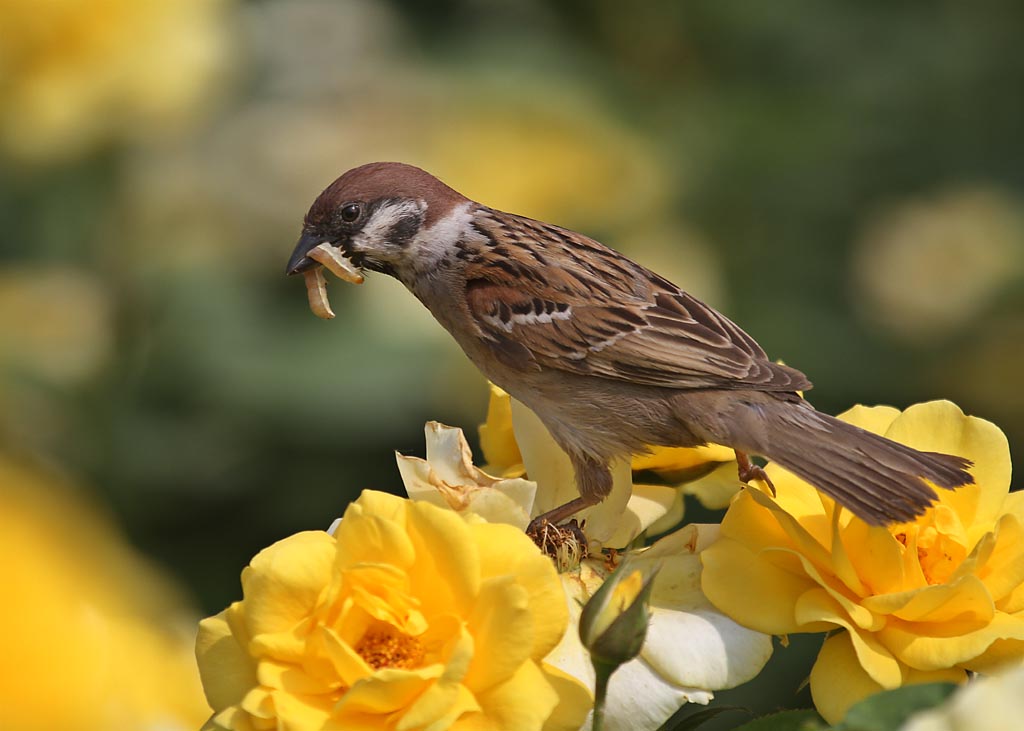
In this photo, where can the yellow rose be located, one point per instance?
(919, 601)
(409, 617)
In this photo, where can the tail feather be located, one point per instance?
(880, 480)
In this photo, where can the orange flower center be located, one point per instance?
(939, 542)
(389, 648)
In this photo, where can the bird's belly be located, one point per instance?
(594, 416)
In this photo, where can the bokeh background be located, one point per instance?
(845, 181)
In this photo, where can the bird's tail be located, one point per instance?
(878, 479)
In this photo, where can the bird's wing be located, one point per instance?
(545, 297)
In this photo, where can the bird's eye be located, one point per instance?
(350, 212)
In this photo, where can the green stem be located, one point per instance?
(602, 673)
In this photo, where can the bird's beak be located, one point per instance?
(299, 262)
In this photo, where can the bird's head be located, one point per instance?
(372, 214)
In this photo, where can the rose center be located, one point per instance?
(938, 554)
(388, 648)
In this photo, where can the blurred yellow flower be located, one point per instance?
(919, 602)
(994, 703)
(929, 267)
(407, 617)
(77, 72)
(55, 322)
(92, 637)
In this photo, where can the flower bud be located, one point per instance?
(613, 623)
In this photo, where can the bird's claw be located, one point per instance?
(749, 471)
(565, 544)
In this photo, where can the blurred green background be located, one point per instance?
(846, 181)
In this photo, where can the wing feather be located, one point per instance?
(598, 313)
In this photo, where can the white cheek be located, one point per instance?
(431, 244)
(371, 238)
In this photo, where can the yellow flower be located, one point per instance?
(915, 602)
(409, 617)
(498, 438)
(92, 637)
(692, 649)
(75, 72)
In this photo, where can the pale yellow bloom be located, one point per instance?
(917, 602)
(408, 617)
(77, 72)
(691, 649)
(994, 703)
(92, 637)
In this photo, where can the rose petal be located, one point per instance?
(940, 426)
(958, 645)
(227, 670)
(505, 550)
(733, 574)
(283, 583)
(647, 504)
(640, 699)
(504, 703)
(497, 439)
(692, 644)
(838, 681)
(501, 627)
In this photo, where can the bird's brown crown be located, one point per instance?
(377, 180)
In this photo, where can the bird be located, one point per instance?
(613, 358)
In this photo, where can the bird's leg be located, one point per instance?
(749, 471)
(562, 512)
(594, 482)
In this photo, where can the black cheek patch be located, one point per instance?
(404, 229)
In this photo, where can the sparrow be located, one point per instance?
(612, 357)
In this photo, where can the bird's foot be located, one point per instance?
(565, 544)
(749, 471)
